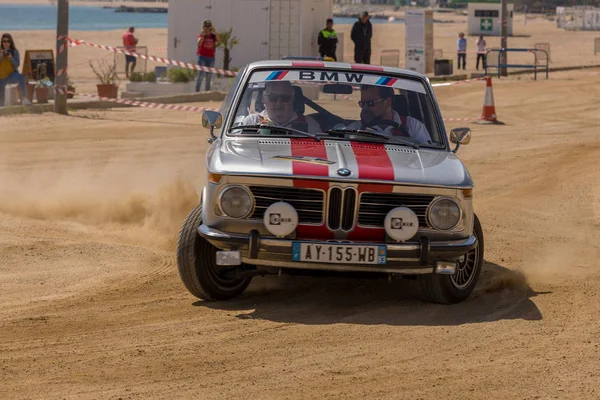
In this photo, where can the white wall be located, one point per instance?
(480, 25)
(267, 29)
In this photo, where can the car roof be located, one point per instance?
(333, 66)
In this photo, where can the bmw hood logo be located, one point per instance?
(344, 172)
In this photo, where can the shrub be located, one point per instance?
(180, 75)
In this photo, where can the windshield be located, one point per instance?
(336, 105)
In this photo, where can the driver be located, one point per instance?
(278, 98)
(377, 113)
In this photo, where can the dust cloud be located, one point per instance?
(156, 201)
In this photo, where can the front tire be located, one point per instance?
(196, 262)
(450, 289)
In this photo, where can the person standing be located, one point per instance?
(480, 52)
(361, 35)
(9, 68)
(129, 43)
(461, 47)
(207, 41)
(328, 41)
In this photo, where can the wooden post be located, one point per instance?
(62, 32)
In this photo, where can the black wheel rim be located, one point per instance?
(466, 269)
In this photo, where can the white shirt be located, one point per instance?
(481, 46)
(255, 119)
(415, 128)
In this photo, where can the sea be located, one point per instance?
(19, 17)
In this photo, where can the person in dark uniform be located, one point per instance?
(361, 35)
(328, 41)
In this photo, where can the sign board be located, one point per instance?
(419, 40)
(484, 19)
(38, 64)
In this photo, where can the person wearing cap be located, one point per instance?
(362, 32)
(207, 42)
(327, 41)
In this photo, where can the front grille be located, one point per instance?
(341, 210)
(375, 206)
(307, 202)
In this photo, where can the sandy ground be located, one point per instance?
(92, 305)
(567, 48)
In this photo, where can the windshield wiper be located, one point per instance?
(277, 128)
(375, 134)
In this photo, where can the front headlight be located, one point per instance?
(236, 202)
(444, 214)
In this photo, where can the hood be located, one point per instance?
(337, 160)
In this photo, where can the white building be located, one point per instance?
(484, 19)
(578, 18)
(266, 29)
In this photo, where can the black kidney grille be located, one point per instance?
(342, 204)
(335, 208)
(307, 202)
(375, 206)
(348, 210)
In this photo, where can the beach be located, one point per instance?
(91, 205)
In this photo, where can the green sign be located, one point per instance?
(486, 24)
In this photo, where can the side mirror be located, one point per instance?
(212, 120)
(460, 136)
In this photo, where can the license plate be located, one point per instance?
(338, 253)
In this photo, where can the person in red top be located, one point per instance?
(129, 42)
(207, 43)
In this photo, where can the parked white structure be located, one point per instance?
(266, 29)
(582, 18)
(484, 19)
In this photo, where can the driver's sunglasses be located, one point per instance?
(6, 41)
(285, 98)
(369, 103)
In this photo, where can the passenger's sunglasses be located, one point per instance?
(6, 41)
(285, 98)
(369, 103)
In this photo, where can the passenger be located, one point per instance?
(278, 98)
(377, 113)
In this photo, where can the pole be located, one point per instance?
(504, 32)
(60, 81)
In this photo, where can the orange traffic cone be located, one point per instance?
(488, 115)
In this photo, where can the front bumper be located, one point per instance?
(405, 258)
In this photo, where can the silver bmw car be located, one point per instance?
(333, 167)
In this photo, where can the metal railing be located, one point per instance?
(543, 46)
(535, 66)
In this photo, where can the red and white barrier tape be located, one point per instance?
(63, 90)
(148, 105)
(458, 82)
(158, 59)
(461, 119)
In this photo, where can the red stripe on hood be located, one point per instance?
(373, 161)
(300, 147)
